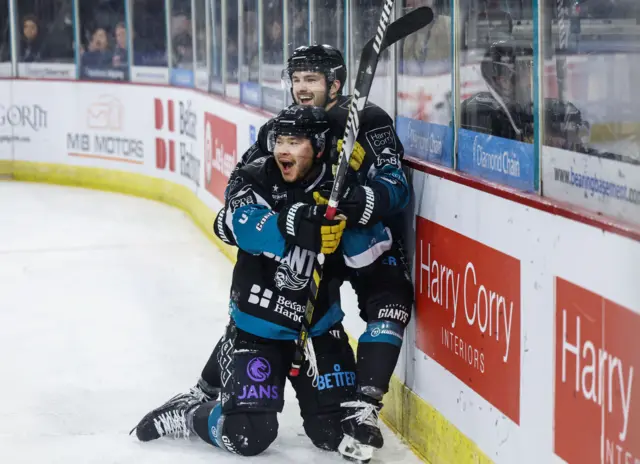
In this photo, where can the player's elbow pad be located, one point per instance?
(392, 190)
(221, 230)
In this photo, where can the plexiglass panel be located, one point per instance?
(5, 39)
(233, 48)
(45, 45)
(591, 109)
(424, 87)
(249, 72)
(215, 18)
(104, 53)
(182, 44)
(273, 95)
(149, 22)
(365, 16)
(496, 135)
(200, 35)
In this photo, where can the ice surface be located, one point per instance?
(109, 305)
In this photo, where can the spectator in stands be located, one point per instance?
(432, 42)
(98, 54)
(273, 49)
(182, 51)
(232, 58)
(180, 24)
(31, 42)
(299, 33)
(120, 55)
(181, 36)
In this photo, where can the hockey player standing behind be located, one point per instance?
(278, 238)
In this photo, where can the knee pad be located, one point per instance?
(324, 430)
(256, 379)
(248, 434)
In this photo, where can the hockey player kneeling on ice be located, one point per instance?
(378, 270)
(278, 238)
(374, 201)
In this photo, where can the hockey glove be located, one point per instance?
(357, 156)
(358, 203)
(305, 225)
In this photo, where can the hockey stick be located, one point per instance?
(387, 35)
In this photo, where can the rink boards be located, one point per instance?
(524, 343)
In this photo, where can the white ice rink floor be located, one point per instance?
(109, 305)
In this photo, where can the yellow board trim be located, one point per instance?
(426, 431)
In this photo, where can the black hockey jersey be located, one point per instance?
(270, 287)
(381, 168)
(483, 113)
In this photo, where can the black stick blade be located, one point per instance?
(407, 24)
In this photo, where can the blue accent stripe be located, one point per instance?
(331, 318)
(358, 240)
(259, 327)
(215, 424)
(265, 329)
(399, 193)
(383, 332)
(255, 234)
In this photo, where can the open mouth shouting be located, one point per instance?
(305, 98)
(286, 166)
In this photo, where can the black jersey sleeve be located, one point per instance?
(381, 169)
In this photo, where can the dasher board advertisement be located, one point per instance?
(468, 312)
(597, 363)
(598, 184)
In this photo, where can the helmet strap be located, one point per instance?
(328, 100)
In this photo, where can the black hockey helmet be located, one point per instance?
(317, 58)
(500, 62)
(564, 122)
(302, 120)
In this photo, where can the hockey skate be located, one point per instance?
(173, 418)
(361, 430)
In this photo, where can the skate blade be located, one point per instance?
(352, 450)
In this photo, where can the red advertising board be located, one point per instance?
(468, 312)
(220, 153)
(597, 354)
(164, 123)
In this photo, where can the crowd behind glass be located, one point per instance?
(583, 51)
